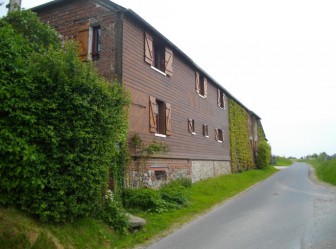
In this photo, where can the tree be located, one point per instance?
(263, 154)
(60, 122)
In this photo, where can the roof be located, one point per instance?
(130, 13)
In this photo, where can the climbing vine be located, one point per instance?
(241, 155)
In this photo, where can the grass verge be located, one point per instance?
(19, 231)
(325, 170)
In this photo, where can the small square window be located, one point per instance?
(205, 130)
(160, 175)
(221, 98)
(201, 85)
(191, 126)
(219, 135)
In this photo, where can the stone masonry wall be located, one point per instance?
(160, 171)
(207, 169)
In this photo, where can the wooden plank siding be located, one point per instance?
(178, 90)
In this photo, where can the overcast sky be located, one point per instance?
(277, 57)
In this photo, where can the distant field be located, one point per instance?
(282, 161)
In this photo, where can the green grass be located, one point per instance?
(282, 161)
(19, 231)
(325, 170)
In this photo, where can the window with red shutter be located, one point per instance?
(158, 55)
(159, 117)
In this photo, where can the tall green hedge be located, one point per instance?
(241, 155)
(59, 123)
(263, 154)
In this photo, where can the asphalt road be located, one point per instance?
(287, 211)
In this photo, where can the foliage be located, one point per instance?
(173, 195)
(325, 169)
(119, 165)
(145, 152)
(88, 233)
(111, 213)
(59, 123)
(176, 193)
(145, 199)
(263, 154)
(38, 35)
(241, 155)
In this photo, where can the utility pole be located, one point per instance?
(13, 5)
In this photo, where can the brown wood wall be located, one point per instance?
(142, 81)
(178, 90)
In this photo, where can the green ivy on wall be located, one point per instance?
(241, 155)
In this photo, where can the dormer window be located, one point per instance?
(158, 56)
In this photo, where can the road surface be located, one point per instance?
(286, 211)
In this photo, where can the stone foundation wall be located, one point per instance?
(207, 169)
(159, 171)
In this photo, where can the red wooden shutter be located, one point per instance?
(83, 40)
(169, 62)
(216, 134)
(149, 49)
(205, 87)
(168, 120)
(152, 114)
(219, 97)
(197, 82)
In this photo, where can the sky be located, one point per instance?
(276, 57)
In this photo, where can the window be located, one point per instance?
(220, 98)
(201, 84)
(89, 39)
(159, 117)
(219, 135)
(95, 42)
(191, 126)
(205, 130)
(160, 175)
(158, 56)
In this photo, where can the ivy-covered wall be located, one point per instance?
(241, 154)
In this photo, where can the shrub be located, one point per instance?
(145, 199)
(111, 213)
(175, 194)
(59, 123)
(185, 182)
(263, 154)
(170, 196)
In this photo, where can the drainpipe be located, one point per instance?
(14, 5)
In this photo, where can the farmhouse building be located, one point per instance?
(173, 100)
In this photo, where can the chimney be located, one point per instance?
(14, 5)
